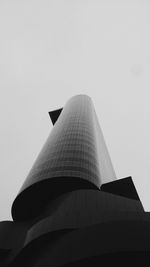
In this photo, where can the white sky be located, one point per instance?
(52, 50)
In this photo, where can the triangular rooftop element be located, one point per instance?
(122, 187)
(55, 114)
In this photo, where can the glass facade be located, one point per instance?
(74, 148)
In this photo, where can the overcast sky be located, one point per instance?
(52, 50)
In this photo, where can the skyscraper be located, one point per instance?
(71, 209)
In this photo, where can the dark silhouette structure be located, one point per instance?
(71, 210)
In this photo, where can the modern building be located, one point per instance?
(71, 210)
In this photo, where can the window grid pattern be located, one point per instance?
(71, 148)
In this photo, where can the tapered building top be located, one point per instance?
(74, 156)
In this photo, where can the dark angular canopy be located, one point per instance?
(55, 114)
